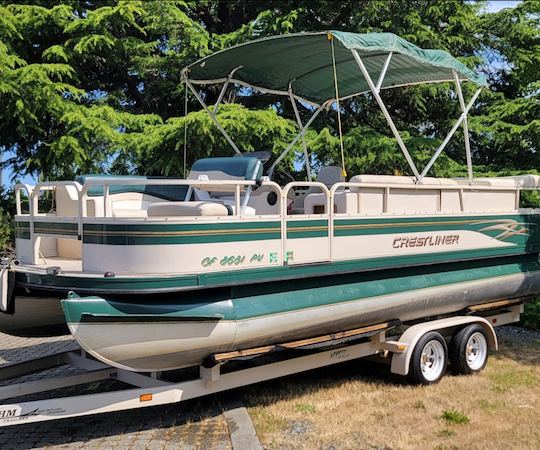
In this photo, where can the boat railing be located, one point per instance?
(284, 211)
(208, 184)
(33, 192)
(19, 187)
(238, 188)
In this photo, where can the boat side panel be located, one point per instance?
(215, 248)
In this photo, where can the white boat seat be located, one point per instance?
(197, 208)
(370, 199)
(129, 213)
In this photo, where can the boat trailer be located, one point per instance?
(152, 389)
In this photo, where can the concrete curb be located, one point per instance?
(241, 429)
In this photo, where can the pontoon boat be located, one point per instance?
(158, 274)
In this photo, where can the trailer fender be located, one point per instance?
(400, 361)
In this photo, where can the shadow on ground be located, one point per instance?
(195, 424)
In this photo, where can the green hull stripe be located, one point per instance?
(66, 229)
(299, 229)
(516, 229)
(245, 302)
(257, 275)
(127, 234)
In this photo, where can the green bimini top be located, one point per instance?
(303, 62)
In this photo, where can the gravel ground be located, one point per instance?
(518, 335)
(196, 424)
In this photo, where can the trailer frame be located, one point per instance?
(150, 389)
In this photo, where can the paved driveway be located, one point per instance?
(197, 424)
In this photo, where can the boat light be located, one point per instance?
(109, 275)
(145, 397)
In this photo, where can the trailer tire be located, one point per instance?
(429, 359)
(469, 350)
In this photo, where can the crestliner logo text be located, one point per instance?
(426, 241)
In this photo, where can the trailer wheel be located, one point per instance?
(469, 350)
(429, 359)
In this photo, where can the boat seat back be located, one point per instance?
(501, 199)
(371, 200)
(405, 200)
(330, 175)
(67, 205)
(226, 169)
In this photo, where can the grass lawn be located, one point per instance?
(360, 405)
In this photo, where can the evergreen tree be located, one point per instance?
(94, 86)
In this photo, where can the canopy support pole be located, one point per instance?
(213, 117)
(383, 71)
(379, 100)
(300, 126)
(224, 88)
(465, 127)
(185, 127)
(450, 134)
(303, 130)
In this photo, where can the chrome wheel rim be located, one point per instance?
(476, 351)
(432, 360)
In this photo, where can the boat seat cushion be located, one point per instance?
(129, 212)
(175, 209)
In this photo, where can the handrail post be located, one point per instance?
(237, 207)
(330, 202)
(106, 208)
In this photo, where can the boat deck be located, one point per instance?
(65, 264)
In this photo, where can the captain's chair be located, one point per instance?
(330, 175)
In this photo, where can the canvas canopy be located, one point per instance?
(303, 63)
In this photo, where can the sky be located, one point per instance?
(497, 5)
(492, 6)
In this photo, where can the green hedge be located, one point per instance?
(531, 317)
